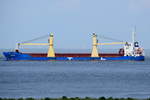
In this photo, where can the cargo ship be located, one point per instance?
(130, 51)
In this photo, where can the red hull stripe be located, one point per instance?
(74, 54)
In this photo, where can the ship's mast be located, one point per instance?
(133, 35)
(133, 40)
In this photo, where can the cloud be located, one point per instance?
(139, 5)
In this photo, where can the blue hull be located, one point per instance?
(11, 56)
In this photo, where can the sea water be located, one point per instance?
(75, 78)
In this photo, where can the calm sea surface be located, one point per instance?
(75, 79)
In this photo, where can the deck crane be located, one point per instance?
(50, 53)
(95, 44)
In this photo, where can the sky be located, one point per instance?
(73, 21)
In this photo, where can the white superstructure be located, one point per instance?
(133, 49)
